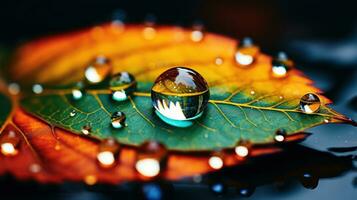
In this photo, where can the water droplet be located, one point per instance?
(73, 113)
(246, 52)
(280, 135)
(158, 190)
(326, 121)
(179, 95)
(35, 168)
(98, 70)
(86, 129)
(9, 143)
(108, 152)
(151, 159)
(118, 119)
(218, 61)
(252, 92)
(246, 191)
(77, 91)
(310, 103)
(281, 65)
(242, 149)
(14, 88)
(218, 188)
(216, 161)
(122, 84)
(309, 181)
(37, 89)
(197, 33)
(90, 179)
(58, 146)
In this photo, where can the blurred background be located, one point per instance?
(320, 35)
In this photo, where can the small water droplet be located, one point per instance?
(86, 129)
(281, 65)
(90, 179)
(218, 188)
(179, 96)
(246, 191)
(118, 119)
(218, 61)
(35, 168)
(242, 149)
(14, 88)
(77, 94)
(108, 152)
(37, 89)
(281, 97)
(216, 161)
(246, 52)
(98, 70)
(280, 135)
(310, 103)
(309, 181)
(252, 92)
(9, 143)
(151, 159)
(197, 34)
(73, 113)
(122, 85)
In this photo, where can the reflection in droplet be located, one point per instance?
(73, 113)
(14, 88)
(86, 129)
(242, 149)
(151, 159)
(122, 85)
(310, 103)
(218, 188)
(280, 135)
(197, 33)
(37, 89)
(309, 181)
(216, 161)
(98, 70)
(246, 52)
(9, 143)
(179, 95)
(281, 65)
(90, 179)
(108, 152)
(118, 119)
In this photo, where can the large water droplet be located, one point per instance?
(122, 85)
(179, 95)
(246, 52)
(118, 119)
(280, 135)
(216, 161)
(281, 65)
(9, 143)
(310, 103)
(98, 70)
(37, 89)
(151, 159)
(242, 149)
(86, 129)
(108, 152)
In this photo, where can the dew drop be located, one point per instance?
(309, 181)
(281, 65)
(151, 159)
(9, 143)
(326, 121)
(98, 70)
(179, 96)
(73, 113)
(122, 85)
(14, 88)
(252, 92)
(218, 61)
(118, 119)
(86, 129)
(246, 52)
(280, 135)
(77, 94)
(108, 152)
(216, 161)
(197, 33)
(246, 191)
(242, 149)
(310, 103)
(218, 188)
(37, 89)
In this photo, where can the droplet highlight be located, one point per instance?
(118, 119)
(98, 70)
(9, 143)
(122, 85)
(73, 113)
(281, 65)
(216, 161)
(246, 52)
(242, 149)
(280, 135)
(108, 152)
(37, 89)
(310, 103)
(86, 129)
(179, 95)
(197, 34)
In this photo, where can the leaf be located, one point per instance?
(245, 103)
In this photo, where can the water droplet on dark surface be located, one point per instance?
(242, 149)
(86, 129)
(151, 159)
(280, 135)
(281, 65)
(310, 103)
(158, 190)
(108, 152)
(180, 95)
(98, 70)
(218, 188)
(309, 181)
(246, 52)
(246, 191)
(216, 161)
(122, 85)
(118, 119)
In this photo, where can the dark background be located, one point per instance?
(320, 35)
